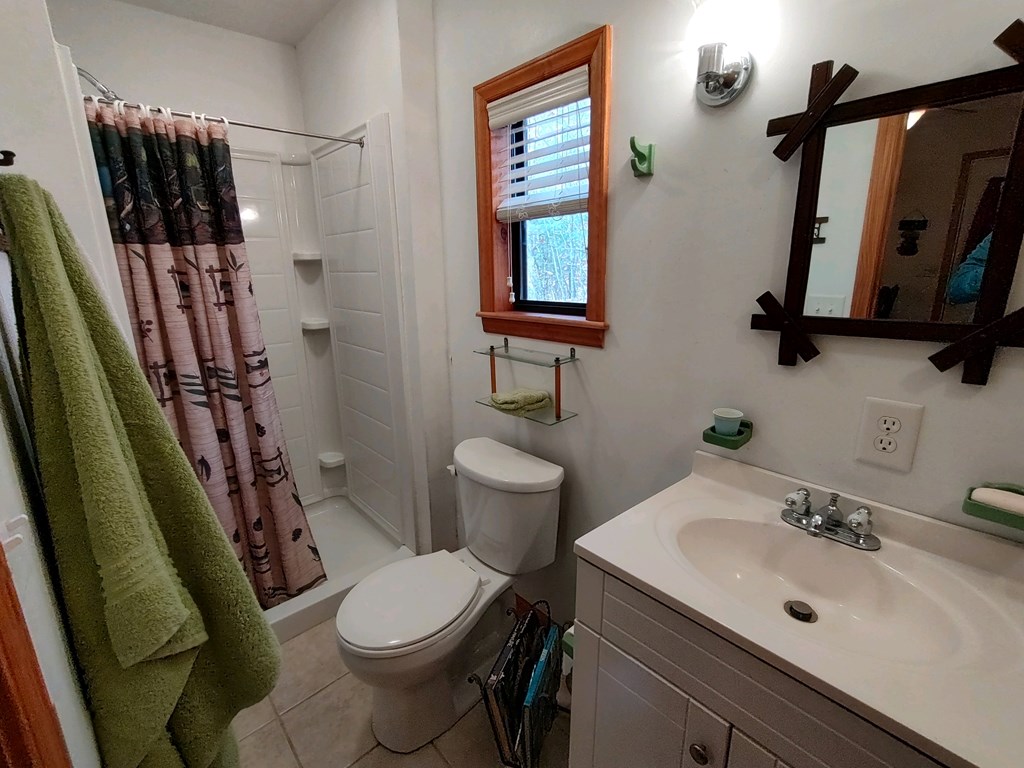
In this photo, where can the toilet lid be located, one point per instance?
(406, 602)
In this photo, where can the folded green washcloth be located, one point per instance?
(519, 399)
(165, 629)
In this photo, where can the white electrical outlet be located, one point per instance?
(888, 433)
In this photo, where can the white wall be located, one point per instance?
(37, 126)
(691, 248)
(845, 174)
(166, 61)
(364, 58)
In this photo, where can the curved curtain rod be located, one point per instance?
(178, 113)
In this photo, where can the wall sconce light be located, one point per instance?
(722, 75)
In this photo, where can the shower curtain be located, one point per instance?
(174, 220)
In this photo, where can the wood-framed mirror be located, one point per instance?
(910, 212)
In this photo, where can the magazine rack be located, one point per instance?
(519, 693)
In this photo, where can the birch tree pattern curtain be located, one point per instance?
(174, 219)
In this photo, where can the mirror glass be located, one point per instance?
(906, 211)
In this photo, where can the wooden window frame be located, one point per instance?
(497, 313)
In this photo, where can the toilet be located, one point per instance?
(415, 629)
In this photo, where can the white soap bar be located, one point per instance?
(1011, 502)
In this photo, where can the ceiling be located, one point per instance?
(285, 22)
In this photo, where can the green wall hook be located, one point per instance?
(643, 158)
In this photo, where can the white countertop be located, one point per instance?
(961, 703)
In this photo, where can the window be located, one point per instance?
(545, 208)
(542, 170)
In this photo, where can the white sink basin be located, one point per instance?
(885, 605)
(926, 635)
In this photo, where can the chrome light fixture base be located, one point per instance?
(722, 75)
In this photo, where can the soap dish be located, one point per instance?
(994, 514)
(731, 442)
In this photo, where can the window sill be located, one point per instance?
(562, 329)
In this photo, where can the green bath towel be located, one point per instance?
(521, 401)
(166, 631)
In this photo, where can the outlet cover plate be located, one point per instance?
(888, 433)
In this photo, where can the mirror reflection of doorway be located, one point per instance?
(972, 220)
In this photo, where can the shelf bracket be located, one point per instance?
(1011, 41)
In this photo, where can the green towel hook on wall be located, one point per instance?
(643, 158)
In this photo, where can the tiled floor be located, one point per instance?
(318, 716)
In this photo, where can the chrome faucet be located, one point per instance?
(828, 522)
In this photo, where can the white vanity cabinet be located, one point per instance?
(655, 689)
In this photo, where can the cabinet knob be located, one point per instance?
(699, 754)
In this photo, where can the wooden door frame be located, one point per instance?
(886, 168)
(30, 733)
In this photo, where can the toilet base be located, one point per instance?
(405, 719)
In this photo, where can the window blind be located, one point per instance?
(546, 170)
(555, 92)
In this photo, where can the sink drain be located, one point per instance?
(801, 611)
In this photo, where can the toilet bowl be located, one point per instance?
(414, 630)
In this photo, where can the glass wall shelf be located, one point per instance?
(544, 416)
(528, 356)
(555, 414)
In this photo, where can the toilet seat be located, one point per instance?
(413, 602)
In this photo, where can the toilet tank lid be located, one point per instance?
(504, 468)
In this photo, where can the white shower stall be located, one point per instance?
(322, 240)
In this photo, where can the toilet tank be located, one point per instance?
(508, 501)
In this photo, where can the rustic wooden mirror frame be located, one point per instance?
(974, 343)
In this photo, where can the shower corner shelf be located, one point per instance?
(315, 324)
(307, 256)
(550, 416)
(331, 459)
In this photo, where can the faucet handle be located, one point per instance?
(799, 500)
(859, 521)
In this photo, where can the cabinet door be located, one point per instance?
(640, 718)
(707, 739)
(744, 753)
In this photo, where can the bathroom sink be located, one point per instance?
(924, 636)
(883, 605)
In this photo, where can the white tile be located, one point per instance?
(332, 728)
(374, 497)
(291, 418)
(252, 719)
(356, 291)
(269, 292)
(326, 176)
(363, 364)
(259, 217)
(352, 211)
(373, 465)
(370, 433)
(276, 325)
(282, 359)
(253, 178)
(309, 663)
(307, 480)
(266, 748)
(287, 391)
(425, 757)
(361, 329)
(360, 167)
(363, 397)
(266, 256)
(298, 451)
(353, 252)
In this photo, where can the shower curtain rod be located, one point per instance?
(239, 123)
